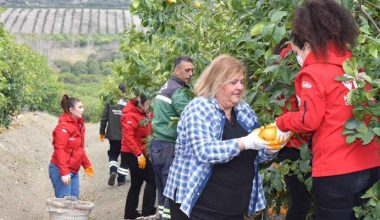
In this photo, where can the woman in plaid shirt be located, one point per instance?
(214, 174)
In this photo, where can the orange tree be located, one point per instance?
(248, 30)
(26, 81)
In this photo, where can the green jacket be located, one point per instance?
(172, 98)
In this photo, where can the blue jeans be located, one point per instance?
(60, 189)
(162, 156)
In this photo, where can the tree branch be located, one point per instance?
(371, 4)
(369, 17)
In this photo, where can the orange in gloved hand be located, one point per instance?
(101, 137)
(141, 161)
(269, 133)
(89, 171)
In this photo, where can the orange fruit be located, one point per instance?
(197, 4)
(268, 133)
(171, 1)
(283, 210)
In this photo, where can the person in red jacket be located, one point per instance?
(136, 127)
(321, 36)
(69, 153)
(300, 198)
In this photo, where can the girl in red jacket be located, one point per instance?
(322, 33)
(136, 126)
(69, 153)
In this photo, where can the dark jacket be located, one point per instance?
(110, 121)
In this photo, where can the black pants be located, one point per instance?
(175, 212)
(335, 196)
(198, 213)
(113, 155)
(138, 176)
(300, 198)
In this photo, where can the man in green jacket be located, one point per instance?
(170, 101)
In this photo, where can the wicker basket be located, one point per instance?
(68, 208)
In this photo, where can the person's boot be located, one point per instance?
(111, 180)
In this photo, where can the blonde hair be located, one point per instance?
(220, 72)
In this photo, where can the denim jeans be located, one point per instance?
(162, 156)
(335, 196)
(60, 189)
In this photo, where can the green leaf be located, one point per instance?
(305, 166)
(376, 131)
(368, 137)
(257, 29)
(268, 29)
(342, 78)
(348, 4)
(373, 50)
(277, 16)
(350, 139)
(278, 34)
(270, 69)
(362, 128)
(135, 3)
(375, 110)
(305, 152)
(347, 68)
(351, 124)
(346, 131)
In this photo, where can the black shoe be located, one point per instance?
(121, 183)
(134, 216)
(151, 215)
(111, 180)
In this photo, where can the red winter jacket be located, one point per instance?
(136, 126)
(324, 109)
(292, 105)
(68, 141)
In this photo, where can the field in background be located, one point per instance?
(67, 21)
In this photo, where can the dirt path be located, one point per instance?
(25, 151)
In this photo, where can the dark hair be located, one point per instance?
(280, 46)
(68, 102)
(182, 59)
(122, 87)
(143, 99)
(319, 22)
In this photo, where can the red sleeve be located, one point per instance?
(130, 125)
(60, 138)
(285, 50)
(85, 161)
(311, 111)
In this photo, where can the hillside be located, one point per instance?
(67, 21)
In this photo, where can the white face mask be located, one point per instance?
(299, 60)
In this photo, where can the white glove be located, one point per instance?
(281, 137)
(66, 179)
(253, 141)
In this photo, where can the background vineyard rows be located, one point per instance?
(67, 21)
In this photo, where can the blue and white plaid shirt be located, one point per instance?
(199, 145)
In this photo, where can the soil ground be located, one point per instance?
(25, 151)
